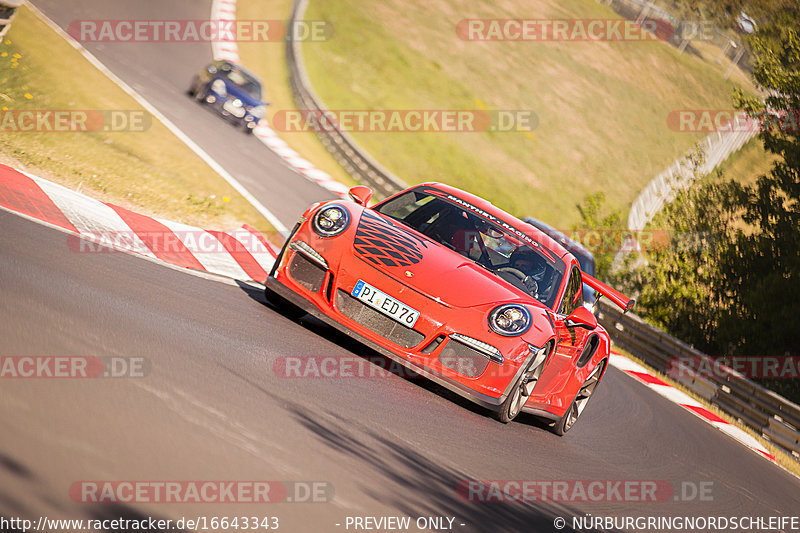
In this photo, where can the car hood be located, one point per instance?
(428, 267)
(237, 92)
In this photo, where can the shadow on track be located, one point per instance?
(49, 501)
(434, 484)
(364, 352)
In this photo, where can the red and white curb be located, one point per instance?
(645, 376)
(243, 254)
(229, 51)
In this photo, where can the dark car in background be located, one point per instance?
(584, 257)
(233, 91)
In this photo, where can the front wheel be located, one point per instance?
(565, 423)
(523, 387)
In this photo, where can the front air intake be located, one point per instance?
(307, 273)
(377, 322)
(463, 359)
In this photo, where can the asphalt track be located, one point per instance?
(212, 407)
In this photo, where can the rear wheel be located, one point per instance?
(565, 423)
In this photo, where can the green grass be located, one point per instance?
(746, 165)
(602, 107)
(152, 171)
(268, 61)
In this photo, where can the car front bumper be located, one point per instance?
(489, 402)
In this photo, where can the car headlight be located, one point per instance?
(218, 86)
(510, 320)
(258, 111)
(331, 220)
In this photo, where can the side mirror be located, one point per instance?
(581, 318)
(211, 69)
(360, 194)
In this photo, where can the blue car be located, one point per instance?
(584, 257)
(234, 92)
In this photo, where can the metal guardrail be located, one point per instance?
(686, 34)
(354, 159)
(662, 189)
(769, 414)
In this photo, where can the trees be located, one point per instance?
(729, 280)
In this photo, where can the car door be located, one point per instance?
(569, 342)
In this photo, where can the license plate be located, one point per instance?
(232, 109)
(385, 304)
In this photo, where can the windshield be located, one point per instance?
(242, 80)
(586, 262)
(500, 248)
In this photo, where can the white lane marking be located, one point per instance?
(623, 363)
(740, 435)
(674, 395)
(266, 213)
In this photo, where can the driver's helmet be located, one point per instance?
(528, 262)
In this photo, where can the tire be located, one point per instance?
(193, 89)
(521, 391)
(200, 93)
(565, 423)
(284, 306)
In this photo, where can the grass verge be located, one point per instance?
(149, 171)
(746, 165)
(602, 106)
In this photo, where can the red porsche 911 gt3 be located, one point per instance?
(455, 289)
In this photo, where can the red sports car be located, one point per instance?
(455, 289)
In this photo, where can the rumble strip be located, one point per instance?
(243, 254)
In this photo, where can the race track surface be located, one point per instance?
(213, 408)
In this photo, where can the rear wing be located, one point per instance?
(622, 301)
